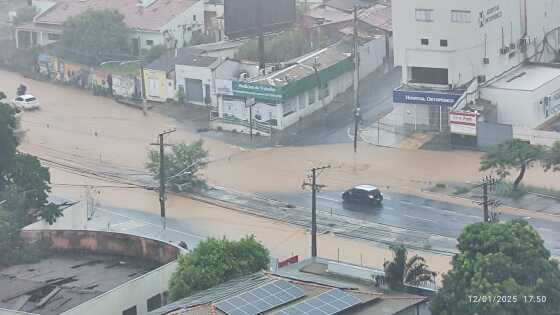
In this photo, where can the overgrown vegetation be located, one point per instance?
(403, 270)
(520, 155)
(283, 47)
(182, 166)
(215, 261)
(24, 188)
(500, 260)
(94, 36)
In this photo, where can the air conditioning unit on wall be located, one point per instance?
(486, 60)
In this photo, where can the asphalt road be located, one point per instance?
(375, 101)
(419, 214)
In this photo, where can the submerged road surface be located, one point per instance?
(416, 213)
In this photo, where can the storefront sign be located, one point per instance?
(489, 15)
(425, 98)
(463, 123)
(258, 91)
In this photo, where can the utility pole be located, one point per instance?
(144, 101)
(488, 184)
(356, 80)
(250, 102)
(162, 181)
(261, 37)
(314, 189)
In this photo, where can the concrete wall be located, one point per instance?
(106, 243)
(155, 82)
(372, 56)
(132, 293)
(536, 136)
(10, 312)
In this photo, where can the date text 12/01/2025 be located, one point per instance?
(507, 299)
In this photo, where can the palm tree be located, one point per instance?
(402, 270)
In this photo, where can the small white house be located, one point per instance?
(153, 22)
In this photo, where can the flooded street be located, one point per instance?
(77, 127)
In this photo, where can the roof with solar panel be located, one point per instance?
(303, 288)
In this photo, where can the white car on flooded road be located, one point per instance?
(26, 102)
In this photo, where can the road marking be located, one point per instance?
(417, 218)
(150, 223)
(329, 199)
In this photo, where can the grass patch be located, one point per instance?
(505, 189)
(461, 190)
(441, 186)
(128, 69)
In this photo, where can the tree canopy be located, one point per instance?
(95, 35)
(514, 154)
(24, 188)
(401, 270)
(215, 261)
(182, 165)
(507, 259)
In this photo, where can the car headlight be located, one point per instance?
(370, 197)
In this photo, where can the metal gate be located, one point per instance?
(193, 90)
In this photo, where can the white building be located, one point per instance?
(452, 51)
(153, 22)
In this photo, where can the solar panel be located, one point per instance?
(331, 302)
(261, 299)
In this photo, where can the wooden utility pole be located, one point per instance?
(162, 197)
(314, 189)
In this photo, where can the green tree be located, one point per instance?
(552, 158)
(215, 261)
(182, 166)
(507, 259)
(514, 154)
(24, 188)
(199, 38)
(285, 46)
(8, 141)
(401, 270)
(25, 15)
(94, 35)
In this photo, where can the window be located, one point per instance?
(425, 15)
(424, 42)
(53, 36)
(150, 42)
(154, 302)
(443, 42)
(311, 96)
(130, 311)
(460, 16)
(194, 17)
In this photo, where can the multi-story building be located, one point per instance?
(451, 50)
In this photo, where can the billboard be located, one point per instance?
(241, 17)
(463, 123)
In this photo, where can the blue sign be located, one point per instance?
(426, 98)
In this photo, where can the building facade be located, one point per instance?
(453, 53)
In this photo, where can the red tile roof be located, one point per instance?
(153, 17)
